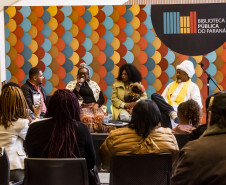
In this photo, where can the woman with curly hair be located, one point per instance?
(127, 77)
(190, 115)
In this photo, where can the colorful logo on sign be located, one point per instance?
(174, 23)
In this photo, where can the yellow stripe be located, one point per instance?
(181, 30)
(181, 22)
(188, 21)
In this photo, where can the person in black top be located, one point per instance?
(61, 134)
(90, 97)
(34, 92)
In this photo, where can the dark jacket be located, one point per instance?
(28, 91)
(39, 133)
(203, 161)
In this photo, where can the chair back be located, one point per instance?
(4, 167)
(55, 171)
(182, 139)
(141, 169)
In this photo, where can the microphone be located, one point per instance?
(81, 81)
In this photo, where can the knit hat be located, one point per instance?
(188, 67)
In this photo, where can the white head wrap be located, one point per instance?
(188, 67)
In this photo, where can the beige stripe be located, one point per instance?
(173, 1)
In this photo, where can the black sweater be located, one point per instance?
(39, 133)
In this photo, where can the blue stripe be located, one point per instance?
(164, 22)
(171, 22)
(174, 22)
(168, 22)
(178, 22)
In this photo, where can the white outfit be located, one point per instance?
(193, 93)
(12, 140)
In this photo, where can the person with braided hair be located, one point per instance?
(13, 128)
(190, 115)
(61, 134)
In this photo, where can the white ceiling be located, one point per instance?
(6, 3)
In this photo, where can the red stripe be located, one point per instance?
(191, 22)
(195, 23)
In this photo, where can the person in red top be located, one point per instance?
(33, 90)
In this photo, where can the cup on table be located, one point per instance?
(106, 119)
(110, 116)
(122, 117)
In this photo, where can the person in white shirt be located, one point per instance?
(13, 128)
(181, 90)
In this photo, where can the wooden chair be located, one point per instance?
(141, 169)
(55, 171)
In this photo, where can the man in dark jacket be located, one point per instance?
(33, 90)
(203, 161)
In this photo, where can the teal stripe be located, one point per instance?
(164, 23)
(178, 22)
(174, 22)
(171, 22)
(168, 23)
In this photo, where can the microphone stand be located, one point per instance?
(208, 80)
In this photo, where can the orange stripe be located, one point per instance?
(195, 23)
(192, 22)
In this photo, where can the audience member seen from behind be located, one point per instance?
(34, 92)
(202, 161)
(190, 115)
(13, 128)
(61, 134)
(128, 77)
(144, 135)
(195, 134)
(90, 98)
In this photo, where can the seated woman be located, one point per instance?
(61, 134)
(13, 128)
(128, 77)
(190, 115)
(90, 97)
(144, 135)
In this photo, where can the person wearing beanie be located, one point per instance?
(179, 91)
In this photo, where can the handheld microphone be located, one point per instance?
(81, 81)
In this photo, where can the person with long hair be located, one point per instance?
(189, 114)
(144, 135)
(13, 128)
(61, 134)
(127, 77)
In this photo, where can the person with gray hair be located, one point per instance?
(203, 161)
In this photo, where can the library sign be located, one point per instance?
(193, 29)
